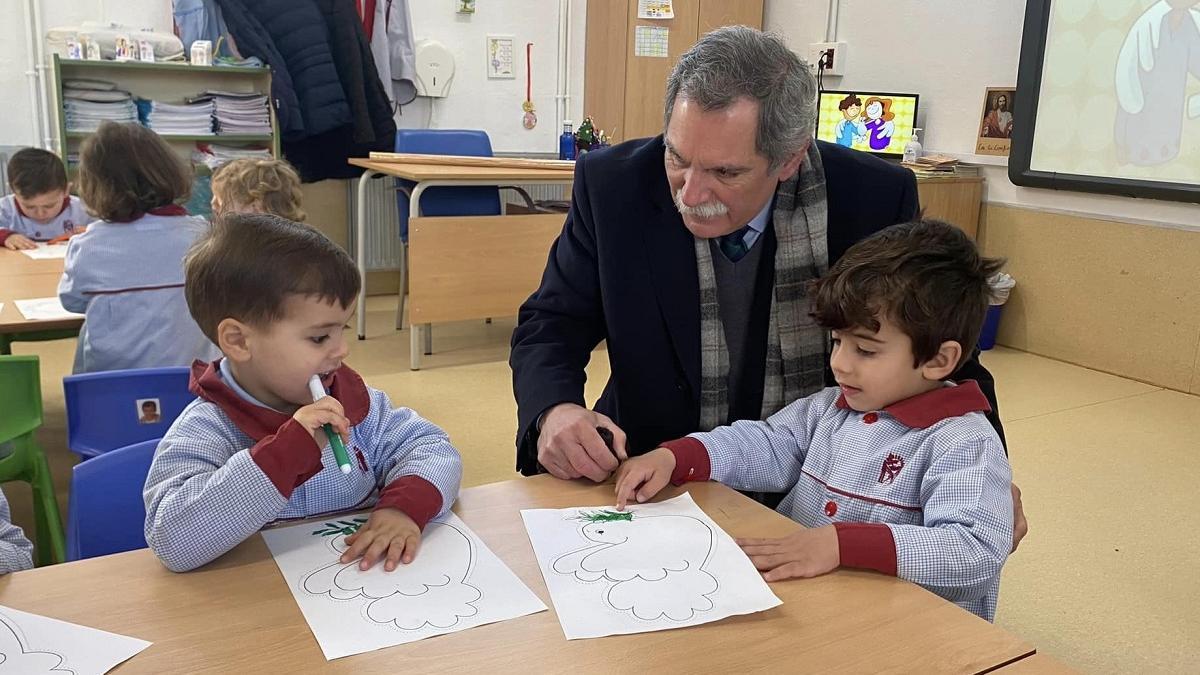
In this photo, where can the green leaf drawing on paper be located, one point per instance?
(604, 516)
(346, 527)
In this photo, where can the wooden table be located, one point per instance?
(237, 614)
(462, 267)
(1037, 664)
(21, 278)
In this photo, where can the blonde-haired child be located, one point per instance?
(257, 186)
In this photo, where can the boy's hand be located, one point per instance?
(326, 411)
(19, 242)
(643, 477)
(807, 552)
(389, 535)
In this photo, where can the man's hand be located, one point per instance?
(326, 411)
(804, 553)
(389, 535)
(1020, 525)
(19, 242)
(570, 447)
(642, 477)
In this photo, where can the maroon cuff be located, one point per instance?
(868, 546)
(416, 497)
(691, 460)
(289, 457)
(4, 234)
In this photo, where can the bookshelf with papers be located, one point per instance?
(194, 108)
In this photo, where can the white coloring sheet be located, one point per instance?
(38, 645)
(455, 583)
(651, 567)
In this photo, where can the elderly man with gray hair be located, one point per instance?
(688, 253)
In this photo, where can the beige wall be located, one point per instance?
(1118, 297)
(325, 204)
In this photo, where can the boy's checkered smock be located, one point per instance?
(228, 467)
(930, 471)
(16, 551)
(14, 221)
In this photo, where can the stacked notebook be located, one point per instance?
(238, 113)
(188, 119)
(87, 103)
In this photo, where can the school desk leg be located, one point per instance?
(414, 344)
(360, 246)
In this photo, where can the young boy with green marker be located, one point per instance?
(263, 442)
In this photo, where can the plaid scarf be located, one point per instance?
(796, 345)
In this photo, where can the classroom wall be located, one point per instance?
(476, 102)
(1111, 296)
(1104, 282)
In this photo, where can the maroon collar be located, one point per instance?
(166, 210)
(65, 204)
(925, 410)
(258, 422)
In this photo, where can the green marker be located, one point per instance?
(339, 448)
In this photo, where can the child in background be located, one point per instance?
(896, 469)
(125, 273)
(257, 186)
(276, 296)
(16, 551)
(41, 206)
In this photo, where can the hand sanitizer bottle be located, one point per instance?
(912, 149)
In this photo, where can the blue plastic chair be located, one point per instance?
(444, 201)
(104, 410)
(106, 513)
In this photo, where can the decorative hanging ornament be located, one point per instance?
(530, 119)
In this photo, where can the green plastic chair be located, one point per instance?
(20, 416)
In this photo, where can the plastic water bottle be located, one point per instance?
(566, 142)
(912, 149)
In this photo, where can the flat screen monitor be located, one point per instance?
(871, 121)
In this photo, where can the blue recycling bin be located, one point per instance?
(991, 324)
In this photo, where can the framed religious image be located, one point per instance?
(996, 121)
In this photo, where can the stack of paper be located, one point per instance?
(935, 165)
(87, 103)
(214, 155)
(239, 113)
(176, 118)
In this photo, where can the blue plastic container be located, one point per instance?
(991, 324)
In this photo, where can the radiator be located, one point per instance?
(383, 226)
